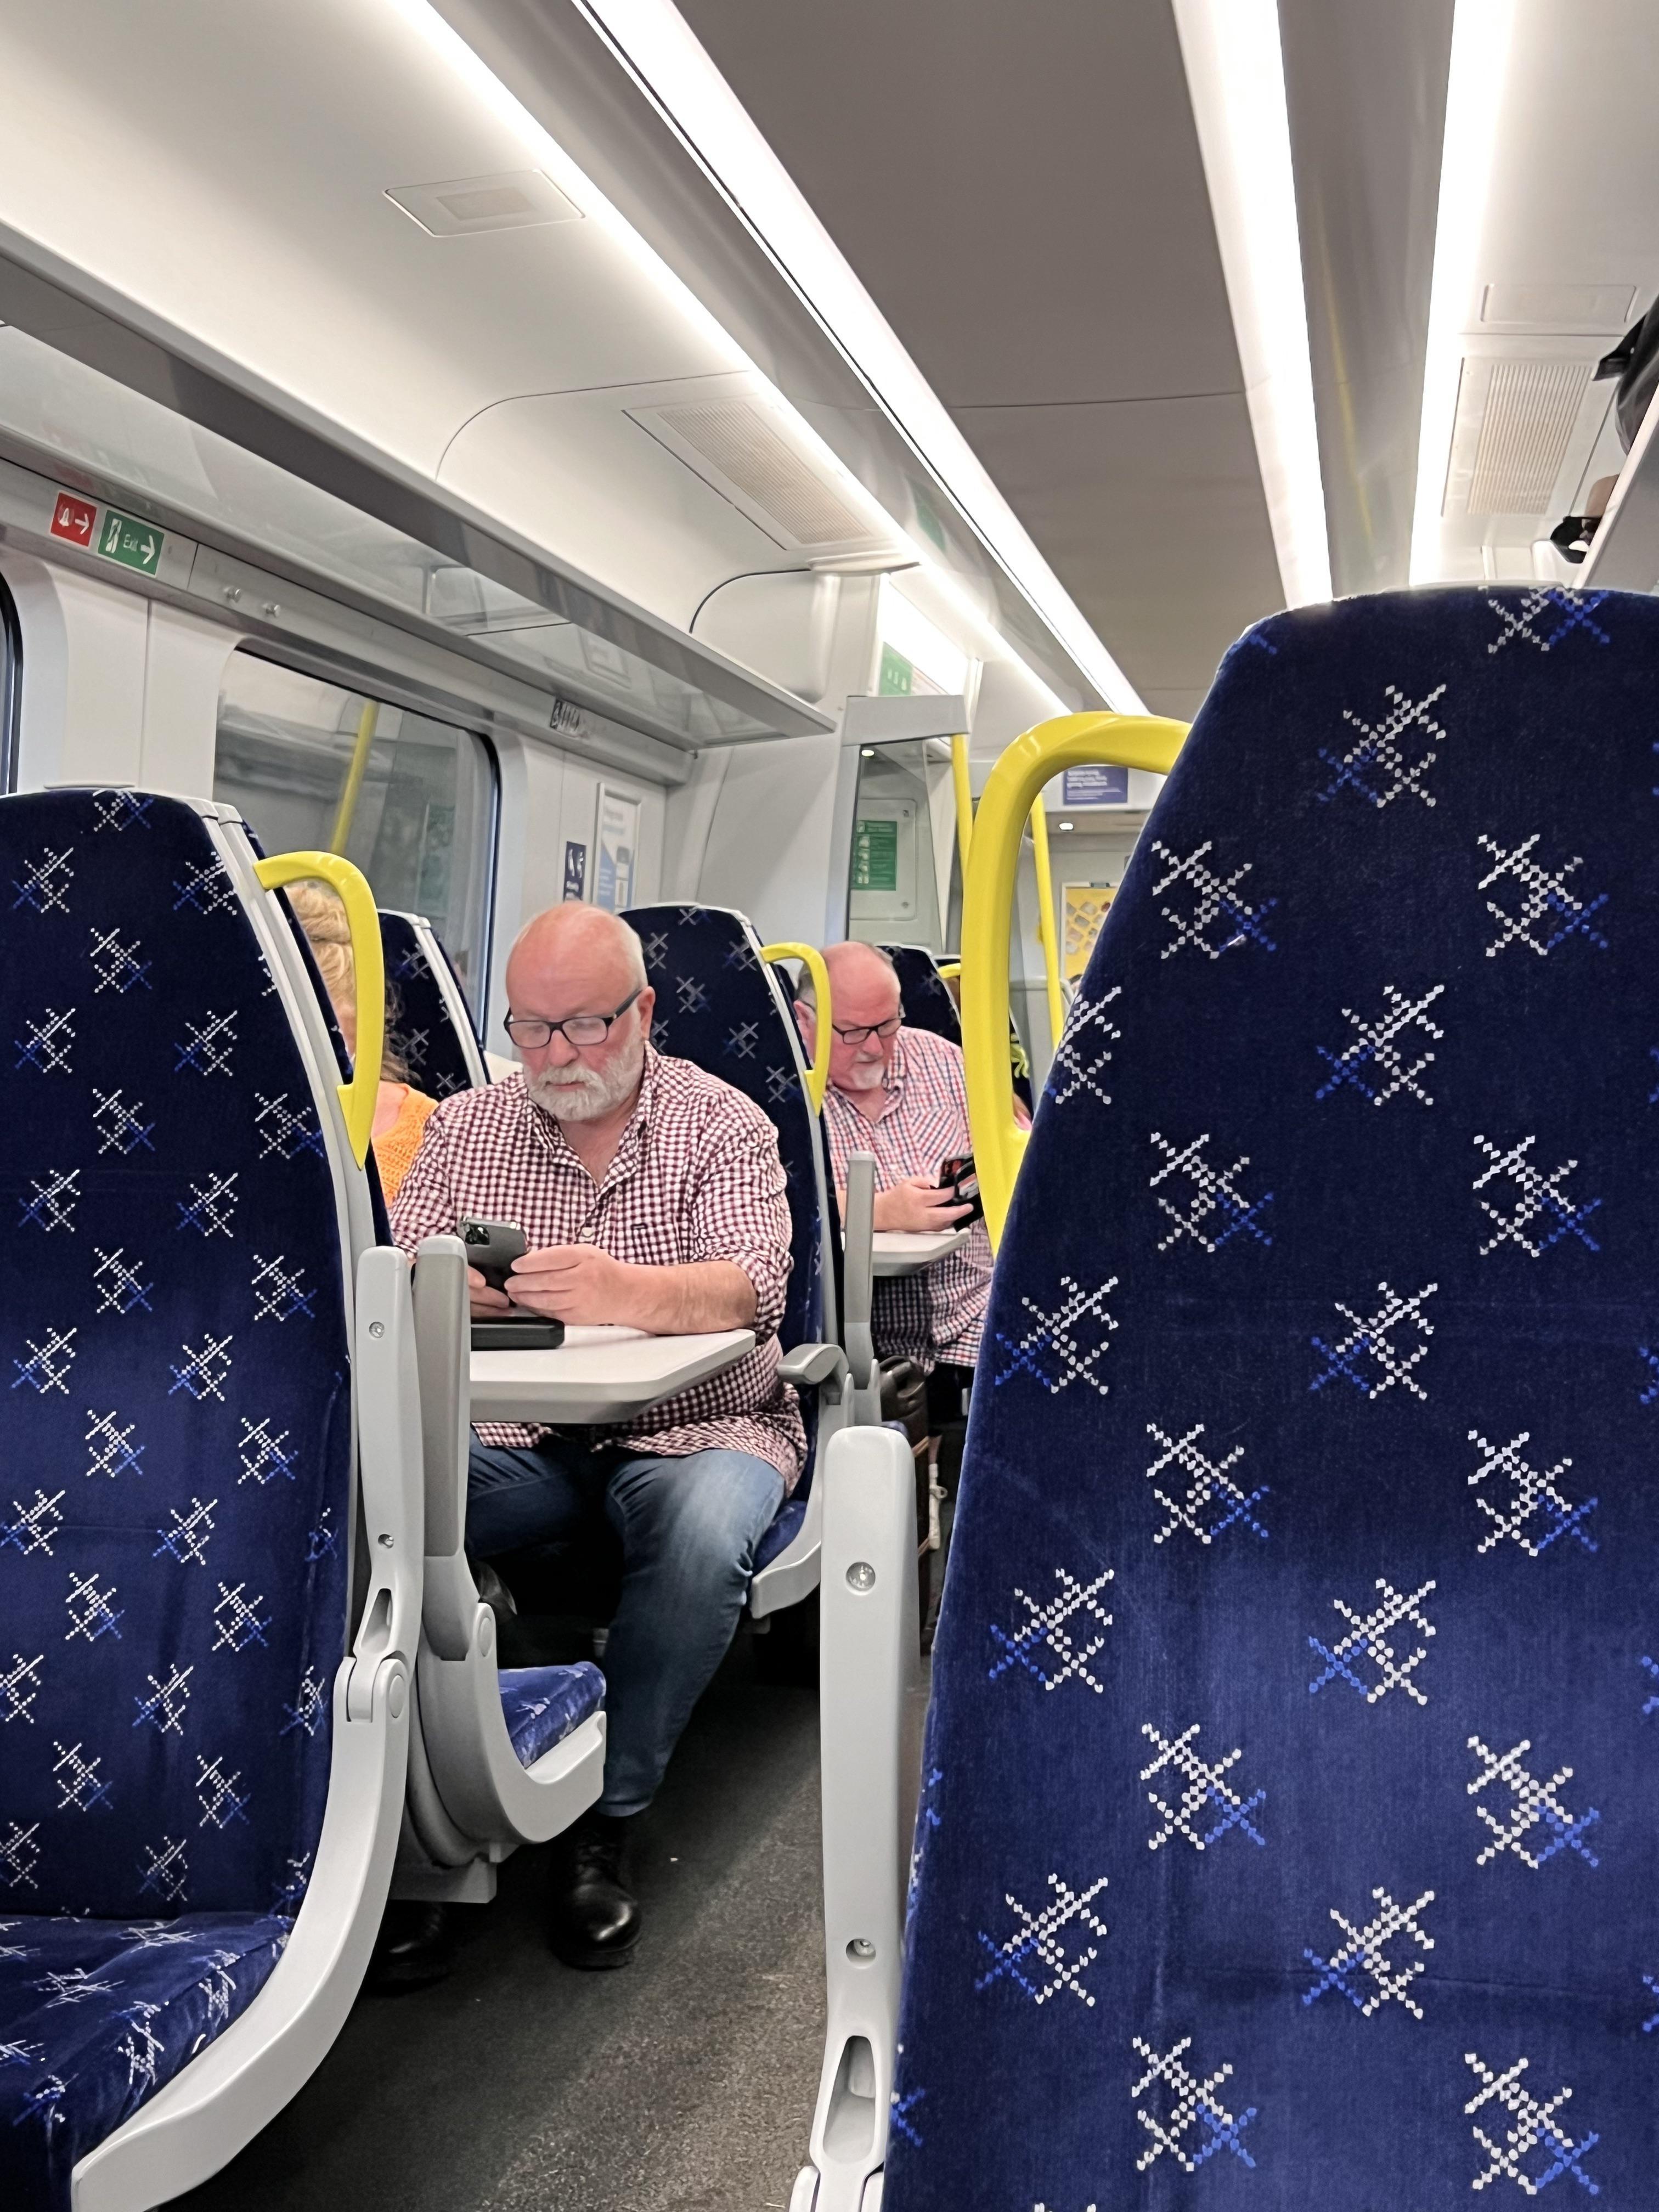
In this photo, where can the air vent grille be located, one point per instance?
(738, 441)
(1531, 408)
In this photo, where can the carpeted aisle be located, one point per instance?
(683, 2083)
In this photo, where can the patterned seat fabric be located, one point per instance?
(1291, 1805)
(717, 1005)
(542, 1705)
(927, 1004)
(433, 1051)
(176, 1489)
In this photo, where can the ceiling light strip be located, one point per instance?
(1481, 35)
(1236, 76)
(658, 48)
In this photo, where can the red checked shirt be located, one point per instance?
(938, 1313)
(696, 1176)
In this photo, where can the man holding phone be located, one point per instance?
(900, 1093)
(648, 1193)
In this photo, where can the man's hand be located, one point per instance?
(575, 1283)
(486, 1301)
(915, 1204)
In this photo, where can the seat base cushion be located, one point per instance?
(785, 1528)
(96, 2015)
(542, 1705)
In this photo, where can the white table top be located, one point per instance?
(599, 1375)
(906, 1251)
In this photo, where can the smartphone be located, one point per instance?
(960, 1178)
(491, 1247)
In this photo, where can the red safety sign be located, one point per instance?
(74, 519)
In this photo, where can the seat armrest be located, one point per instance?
(443, 1340)
(389, 1464)
(810, 1364)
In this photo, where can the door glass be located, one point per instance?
(312, 767)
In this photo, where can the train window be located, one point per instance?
(903, 843)
(312, 766)
(11, 687)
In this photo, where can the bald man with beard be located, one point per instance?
(650, 1193)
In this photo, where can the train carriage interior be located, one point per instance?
(829, 870)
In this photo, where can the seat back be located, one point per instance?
(177, 1490)
(1291, 1796)
(927, 1004)
(433, 1023)
(718, 1004)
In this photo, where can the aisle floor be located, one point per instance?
(683, 2083)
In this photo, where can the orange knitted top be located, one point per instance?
(394, 1153)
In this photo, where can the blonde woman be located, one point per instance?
(400, 1111)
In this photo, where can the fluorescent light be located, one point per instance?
(1064, 825)
(1481, 31)
(657, 46)
(923, 644)
(1236, 76)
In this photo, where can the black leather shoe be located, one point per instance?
(594, 1918)
(415, 1947)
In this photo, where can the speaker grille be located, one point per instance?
(1531, 408)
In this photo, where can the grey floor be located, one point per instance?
(683, 2083)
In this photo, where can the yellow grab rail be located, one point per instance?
(963, 783)
(817, 1077)
(1045, 891)
(346, 811)
(1144, 741)
(359, 1096)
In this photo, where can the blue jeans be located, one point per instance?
(688, 1529)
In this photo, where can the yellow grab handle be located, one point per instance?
(1144, 741)
(817, 1077)
(961, 782)
(358, 1097)
(949, 970)
(1045, 891)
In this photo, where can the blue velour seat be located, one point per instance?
(178, 1491)
(720, 1005)
(1290, 1812)
(433, 1023)
(927, 1003)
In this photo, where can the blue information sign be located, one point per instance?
(575, 868)
(1095, 787)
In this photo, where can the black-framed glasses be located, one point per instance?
(530, 1034)
(882, 1029)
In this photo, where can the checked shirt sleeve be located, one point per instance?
(740, 1211)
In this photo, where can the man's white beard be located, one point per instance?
(865, 1075)
(581, 1093)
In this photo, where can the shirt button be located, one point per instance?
(584, 1236)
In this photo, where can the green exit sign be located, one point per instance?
(134, 544)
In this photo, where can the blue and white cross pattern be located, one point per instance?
(206, 1046)
(1218, 918)
(47, 1367)
(1193, 2105)
(1534, 2129)
(43, 885)
(1521, 619)
(117, 966)
(1540, 1201)
(1034, 1958)
(1367, 1355)
(1204, 1785)
(1214, 1503)
(1045, 1631)
(1535, 1805)
(1052, 1352)
(1090, 1030)
(47, 1041)
(1368, 1635)
(1372, 1062)
(1548, 913)
(1650, 1666)
(1366, 1951)
(1536, 1511)
(1391, 755)
(1216, 1211)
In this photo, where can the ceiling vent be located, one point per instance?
(520, 200)
(732, 445)
(1519, 417)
